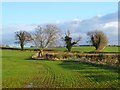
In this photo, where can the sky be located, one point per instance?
(60, 0)
(79, 17)
(43, 12)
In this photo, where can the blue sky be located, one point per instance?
(43, 12)
(26, 16)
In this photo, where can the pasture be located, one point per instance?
(20, 71)
(74, 48)
(84, 49)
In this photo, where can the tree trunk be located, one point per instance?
(22, 46)
(40, 54)
(69, 49)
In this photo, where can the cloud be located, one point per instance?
(99, 15)
(76, 20)
(110, 17)
(58, 22)
(13, 28)
(8, 32)
(107, 23)
(111, 25)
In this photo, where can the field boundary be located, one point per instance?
(100, 59)
(55, 50)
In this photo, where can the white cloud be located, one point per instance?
(99, 15)
(111, 25)
(76, 19)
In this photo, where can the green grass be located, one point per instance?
(111, 49)
(19, 71)
(88, 49)
(82, 49)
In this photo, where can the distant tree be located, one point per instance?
(68, 41)
(98, 39)
(7, 46)
(22, 37)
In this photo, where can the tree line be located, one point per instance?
(47, 35)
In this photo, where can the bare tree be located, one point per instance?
(22, 37)
(68, 41)
(45, 36)
(98, 39)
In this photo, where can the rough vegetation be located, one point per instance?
(98, 58)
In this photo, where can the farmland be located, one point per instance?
(88, 49)
(20, 71)
(77, 48)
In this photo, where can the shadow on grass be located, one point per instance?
(97, 73)
(87, 65)
(29, 58)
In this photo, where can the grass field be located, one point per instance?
(78, 48)
(20, 71)
(86, 49)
